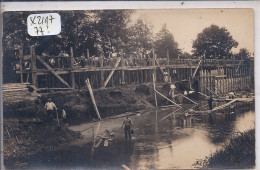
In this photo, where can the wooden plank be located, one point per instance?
(167, 98)
(53, 72)
(92, 98)
(106, 142)
(125, 167)
(98, 143)
(157, 62)
(196, 69)
(112, 72)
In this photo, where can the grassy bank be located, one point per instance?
(239, 153)
(24, 139)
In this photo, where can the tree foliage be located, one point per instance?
(243, 54)
(164, 41)
(99, 31)
(140, 37)
(112, 27)
(214, 42)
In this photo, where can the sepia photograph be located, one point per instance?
(129, 89)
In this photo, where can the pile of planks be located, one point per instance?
(15, 92)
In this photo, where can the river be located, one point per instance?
(177, 142)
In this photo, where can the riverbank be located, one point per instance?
(22, 139)
(238, 154)
(27, 132)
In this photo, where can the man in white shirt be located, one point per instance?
(51, 109)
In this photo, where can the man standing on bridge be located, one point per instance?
(128, 125)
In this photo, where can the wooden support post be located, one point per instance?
(102, 71)
(231, 77)
(92, 98)
(224, 83)
(122, 65)
(228, 79)
(72, 67)
(155, 97)
(33, 67)
(142, 76)
(87, 53)
(154, 71)
(204, 82)
(168, 65)
(21, 63)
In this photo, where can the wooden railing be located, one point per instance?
(63, 62)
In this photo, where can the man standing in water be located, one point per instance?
(128, 125)
(51, 109)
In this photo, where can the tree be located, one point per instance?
(164, 41)
(243, 54)
(186, 55)
(140, 37)
(112, 27)
(214, 42)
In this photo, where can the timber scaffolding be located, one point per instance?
(214, 76)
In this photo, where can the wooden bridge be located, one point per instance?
(67, 72)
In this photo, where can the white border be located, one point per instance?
(78, 5)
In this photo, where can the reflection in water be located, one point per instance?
(186, 151)
(192, 138)
(245, 122)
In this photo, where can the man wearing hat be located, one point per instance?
(51, 109)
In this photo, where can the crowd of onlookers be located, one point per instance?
(63, 61)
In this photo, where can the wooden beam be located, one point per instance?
(155, 97)
(167, 98)
(72, 66)
(112, 72)
(157, 62)
(102, 71)
(33, 66)
(196, 69)
(21, 63)
(92, 98)
(154, 71)
(53, 72)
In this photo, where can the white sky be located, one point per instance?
(185, 24)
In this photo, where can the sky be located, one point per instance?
(185, 24)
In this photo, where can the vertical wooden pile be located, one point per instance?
(33, 66)
(72, 67)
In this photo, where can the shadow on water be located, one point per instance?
(176, 142)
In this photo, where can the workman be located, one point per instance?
(127, 124)
(210, 102)
(51, 109)
(82, 60)
(165, 76)
(171, 93)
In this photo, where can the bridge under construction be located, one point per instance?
(211, 76)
